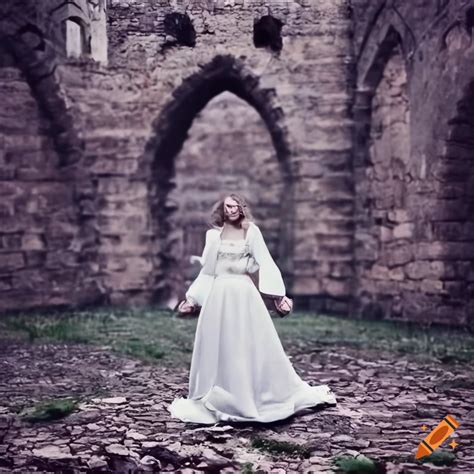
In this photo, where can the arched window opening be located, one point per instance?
(240, 157)
(385, 230)
(267, 33)
(180, 28)
(452, 219)
(186, 153)
(77, 41)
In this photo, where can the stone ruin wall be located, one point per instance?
(98, 132)
(413, 158)
(47, 247)
(37, 205)
(287, 84)
(120, 112)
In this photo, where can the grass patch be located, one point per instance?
(280, 447)
(439, 458)
(247, 468)
(50, 410)
(138, 348)
(356, 465)
(448, 345)
(151, 335)
(65, 330)
(156, 336)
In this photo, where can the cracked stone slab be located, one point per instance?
(127, 427)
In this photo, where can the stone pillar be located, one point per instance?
(98, 27)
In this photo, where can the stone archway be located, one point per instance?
(52, 242)
(384, 230)
(223, 74)
(35, 58)
(452, 220)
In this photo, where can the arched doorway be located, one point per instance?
(384, 230)
(224, 83)
(452, 221)
(43, 226)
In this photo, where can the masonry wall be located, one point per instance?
(307, 97)
(40, 260)
(413, 161)
(355, 149)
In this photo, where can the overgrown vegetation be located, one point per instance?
(356, 465)
(444, 344)
(281, 447)
(158, 336)
(50, 410)
(439, 458)
(247, 468)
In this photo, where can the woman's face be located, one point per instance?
(231, 210)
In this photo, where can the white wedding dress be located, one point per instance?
(239, 369)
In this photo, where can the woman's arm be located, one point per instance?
(270, 279)
(199, 288)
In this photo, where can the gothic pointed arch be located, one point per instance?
(55, 157)
(35, 57)
(387, 29)
(382, 157)
(170, 129)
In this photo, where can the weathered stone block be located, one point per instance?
(403, 231)
(379, 272)
(432, 286)
(32, 242)
(306, 286)
(397, 256)
(11, 261)
(336, 288)
(425, 270)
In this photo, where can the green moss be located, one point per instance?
(280, 447)
(46, 328)
(49, 410)
(247, 468)
(137, 348)
(356, 465)
(439, 458)
(448, 345)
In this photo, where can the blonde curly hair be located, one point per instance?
(218, 215)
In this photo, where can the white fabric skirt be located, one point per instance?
(239, 369)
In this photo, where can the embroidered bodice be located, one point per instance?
(234, 257)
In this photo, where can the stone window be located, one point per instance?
(267, 33)
(179, 29)
(76, 40)
(390, 146)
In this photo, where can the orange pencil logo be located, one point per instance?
(437, 437)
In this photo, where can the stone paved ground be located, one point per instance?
(123, 425)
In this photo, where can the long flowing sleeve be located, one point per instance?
(200, 287)
(270, 281)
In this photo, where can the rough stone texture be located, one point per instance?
(40, 239)
(373, 155)
(135, 115)
(415, 258)
(122, 424)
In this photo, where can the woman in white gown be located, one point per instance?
(239, 369)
